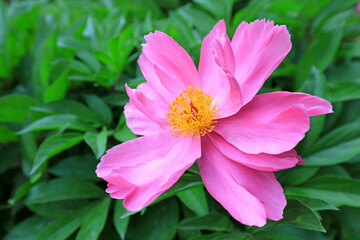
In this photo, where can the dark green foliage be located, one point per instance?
(63, 67)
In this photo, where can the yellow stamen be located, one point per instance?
(192, 113)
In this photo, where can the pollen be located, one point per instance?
(192, 113)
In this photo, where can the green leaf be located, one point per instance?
(81, 166)
(69, 107)
(9, 155)
(213, 222)
(57, 209)
(90, 60)
(344, 91)
(120, 223)
(334, 170)
(330, 11)
(99, 107)
(349, 50)
(200, 19)
(61, 189)
(340, 145)
(249, 12)
(43, 54)
(117, 99)
(108, 60)
(195, 199)
(7, 135)
(220, 9)
(64, 121)
(72, 43)
(313, 203)
(301, 216)
(287, 232)
(341, 134)
(3, 27)
(17, 8)
(63, 227)
(340, 153)
(27, 229)
(15, 107)
(221, 236)
(350, 112)
(54, 145)
(319, 54)
(97, 142)
(124, 134)
(29, 149)
(21, 191)
(194, 169)
(346, 71)
(333, 189)
(58, 78)
(122, 47)
(158, 222)
(80, 68)
(349, 220)
(337, 20)
(90, 31)
(298, 175)
(95, 221)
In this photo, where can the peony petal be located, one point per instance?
(259, 47)
(139, 123)
(292, 154)
(148, 71)
(271, 130)
(149, 104)
(141, 169)
(279, 101)
(167, 66)
(249, 195)
(267, 123)
(261, 161)
(216, 69)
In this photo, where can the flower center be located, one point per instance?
(192, 112)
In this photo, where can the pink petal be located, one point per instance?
(114, 188)
(272, 122)
(261, 161)
(259, 47)
(279, 101)
(249, 195)
(148, 71)
(301, 161)
(216, 69)
(148, 103)
(292, 154)
(167, 66)
(139, 123)
(141, 169)
(271, 130)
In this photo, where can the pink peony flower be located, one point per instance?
(358, 7)
(214, 116)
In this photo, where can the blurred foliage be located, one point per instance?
(63, 66)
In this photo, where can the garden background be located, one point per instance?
(63, 67)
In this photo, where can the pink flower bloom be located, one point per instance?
(214, 116)
(358, 7)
